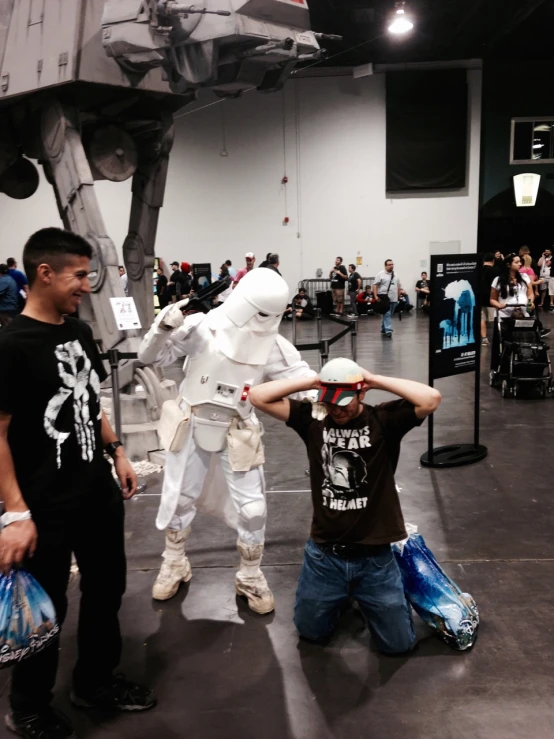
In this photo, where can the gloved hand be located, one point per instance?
(173, 316)
(318, 411)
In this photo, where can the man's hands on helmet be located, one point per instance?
(314, 383)
(173, 316)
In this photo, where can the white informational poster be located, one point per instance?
(125, 312)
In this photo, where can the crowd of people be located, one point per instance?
(50, 404)
(515, 285)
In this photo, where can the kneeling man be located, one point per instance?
(353, 452)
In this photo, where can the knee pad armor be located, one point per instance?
(253, 515)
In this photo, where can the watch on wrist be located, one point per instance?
(111, 447)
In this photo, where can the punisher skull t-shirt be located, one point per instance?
(50, 379)
(352, 470)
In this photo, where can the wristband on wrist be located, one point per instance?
(7, 518)
(111, 447)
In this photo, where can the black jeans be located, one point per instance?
(95, 533)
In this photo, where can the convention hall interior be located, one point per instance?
(388, 145)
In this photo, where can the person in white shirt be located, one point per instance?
(512, 289)
(387, 284)
(124, 279)
(545, 264)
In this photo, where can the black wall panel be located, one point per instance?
(426, 130)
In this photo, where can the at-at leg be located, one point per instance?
(68, 170)
(154, 147)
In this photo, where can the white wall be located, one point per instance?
(331, 132)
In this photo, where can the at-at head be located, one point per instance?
(226, 45)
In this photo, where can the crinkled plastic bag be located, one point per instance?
(434, 596)
(27, 618)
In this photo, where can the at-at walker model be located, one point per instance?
(89, 88)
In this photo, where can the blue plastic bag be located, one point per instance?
(27, 618)
(434, 596)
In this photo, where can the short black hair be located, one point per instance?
(489, 257)
(121, 266)
(11, 263)
(52, 246)
(228, 262)
(301, 289)
(339, 258)
(353, 266)
(387, 261)
(273, 258)
(3, 269)
(424, 272)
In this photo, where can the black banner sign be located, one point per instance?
(454, 319)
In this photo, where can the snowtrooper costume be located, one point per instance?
(228, 351)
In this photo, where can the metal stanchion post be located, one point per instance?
(293, 314)
(113, 359)
(354, 338)
(319, 327)
(324, 356)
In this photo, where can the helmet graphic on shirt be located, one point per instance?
(347, 471)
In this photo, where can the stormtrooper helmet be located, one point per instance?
(248, 321)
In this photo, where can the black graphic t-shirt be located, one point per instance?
(50, 379)
(337, 283)
(352, 472)
(353, 281)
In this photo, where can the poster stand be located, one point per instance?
(445, 362)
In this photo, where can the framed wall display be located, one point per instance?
(532, 140)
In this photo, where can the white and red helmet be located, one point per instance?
(341, 379)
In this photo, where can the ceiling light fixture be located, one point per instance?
(401, 23)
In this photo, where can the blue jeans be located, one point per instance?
(327, 582)
(386, 323)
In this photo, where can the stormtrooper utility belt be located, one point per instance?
(174, 423)
(244, 444)
(216, 428)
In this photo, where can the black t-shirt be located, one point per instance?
(422, 284)
(352, 472)
(353, 281)
(337, 283)
(177, 280)
(50, 379)
(488, 275)
(161, 284)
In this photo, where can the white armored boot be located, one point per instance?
(250, 580)
(175, 568)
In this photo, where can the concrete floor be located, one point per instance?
(221, 672)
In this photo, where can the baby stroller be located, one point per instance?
(522, 357)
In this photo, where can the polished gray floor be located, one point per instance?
(221, 672)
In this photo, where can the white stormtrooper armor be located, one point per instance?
(229, 350)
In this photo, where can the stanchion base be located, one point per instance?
(455, 455)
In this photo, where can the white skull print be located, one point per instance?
(77, 375)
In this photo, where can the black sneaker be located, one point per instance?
(46, 725)
(544, 332)
(118, 695)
